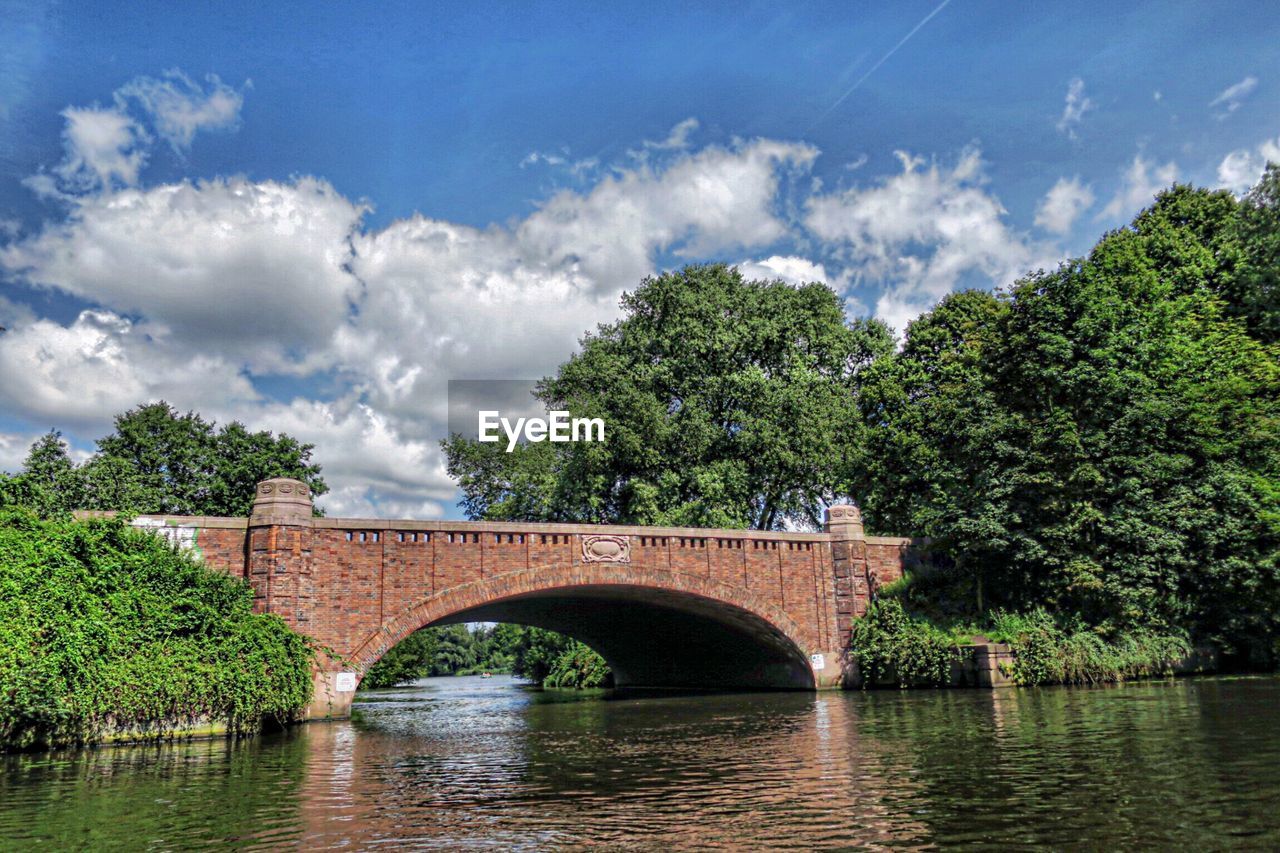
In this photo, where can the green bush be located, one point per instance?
(578, 667)
(103, 626)
(1049, 653)
(891, 645)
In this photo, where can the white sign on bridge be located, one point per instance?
(184, 536)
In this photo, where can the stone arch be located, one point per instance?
(716, 634)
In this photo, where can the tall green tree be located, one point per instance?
(49, 482)
(1255, 293)
(158, 460)
(1101, 439)
(412, 658)
(727, 403)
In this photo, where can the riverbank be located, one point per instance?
(110, 634)
(891, 647)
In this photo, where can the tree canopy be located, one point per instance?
(727, 403)
(1101, 439)
(160, 461)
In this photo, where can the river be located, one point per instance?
(469, 762)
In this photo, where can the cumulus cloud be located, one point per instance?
(1241, 169)
(923, 232)
(13, 450)
(789, 268)
(1064, 202)
(196, 288)
(1230, 98)
(704, 203)
(101, 363)
(1077, 104)
(104, 147)
(1139, 183)
(254, 270)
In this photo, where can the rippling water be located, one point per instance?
(466, 762)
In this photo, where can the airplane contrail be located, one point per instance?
(927, 18)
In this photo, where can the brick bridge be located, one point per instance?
(665, 606)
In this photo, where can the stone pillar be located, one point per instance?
(280, 543)
(849, 565)
(280, 551)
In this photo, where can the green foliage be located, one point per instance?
(1049, 653)
(1254, 290)
(408, 660)
(892, 646)
(1102, 440)
(578, 667)
(105, 626)
(160, 461)
(457, 651)
(544, 657)
(536, 653)
(728, 403)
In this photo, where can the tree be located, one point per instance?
(160, 461)
(727, 403)
(49, 483)
(1256, 292)
(456, 651)
(1101, 439)
(411, 659)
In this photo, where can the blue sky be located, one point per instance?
(309, 217)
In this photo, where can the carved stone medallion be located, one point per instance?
(606, 548)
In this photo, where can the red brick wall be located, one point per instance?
(222, 548)
(356, 584)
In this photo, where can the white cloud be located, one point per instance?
(706, 203)
(198, 285)
(533, 158)
(923, 232)
(1230, 98)
(1064, 202)
(789, 268)
(180, 107)
(107, 147)
(13, 450)
(1241, 169)
(102, 363)
(678, 138)
(1077, 104)
(253, 270)
(1139, 183)
(577, 168)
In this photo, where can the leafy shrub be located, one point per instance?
(1048, 653)
(105, 626)
(890, 645)
(578, 667)
(407, 661)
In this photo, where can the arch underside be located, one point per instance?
(659, 638)
(668, 630)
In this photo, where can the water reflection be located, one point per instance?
(470, 762)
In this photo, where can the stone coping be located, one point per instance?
(325, 523)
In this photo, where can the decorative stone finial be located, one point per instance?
(844, 521)
(282, 498)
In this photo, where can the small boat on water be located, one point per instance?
(486, 675)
